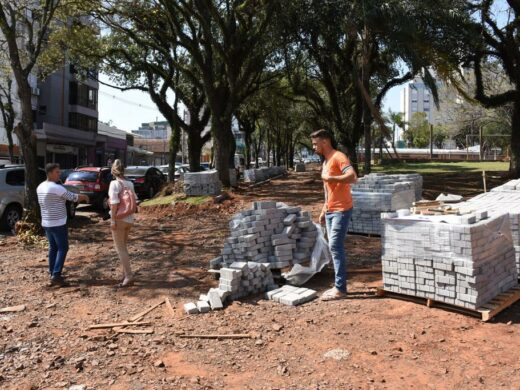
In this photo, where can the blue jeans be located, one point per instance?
(337, 227)
(58, 238)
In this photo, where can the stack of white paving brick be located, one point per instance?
(377, 193)
(460, 260)
(202, 183)
(269, 232)
(291, 295)
(512, 185)
(238, 280)
(498, 203)
(262, 174)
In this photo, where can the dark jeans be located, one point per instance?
(58, 238)
(337, 227)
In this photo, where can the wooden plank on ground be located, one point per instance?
(510, 298)
(145, 312)
(169, 307)
(12, 309)
(117, 324)
(216, 336)
(134, 331)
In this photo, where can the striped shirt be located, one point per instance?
(52, 198)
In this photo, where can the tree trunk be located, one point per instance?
(247, 141)
(10, 144)
(194, 149)
(174, 143)
(223, 142)
(514, 167)
(28, 146)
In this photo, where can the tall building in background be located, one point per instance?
(67, 119)
(154, 130)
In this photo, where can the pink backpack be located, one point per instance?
(127, 203)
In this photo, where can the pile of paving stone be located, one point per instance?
(291, 295)
(236, 281)
(262, 174)
(464, 260)
(269, 232)
(498, 203)
(377, 193)
(300, 167)
(512, 185)
(202, 183)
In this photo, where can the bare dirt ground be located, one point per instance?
(363, 342)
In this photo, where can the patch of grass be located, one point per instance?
(166, 200)
(443, 167)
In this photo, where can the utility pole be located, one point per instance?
(480, 143)
(431, 142)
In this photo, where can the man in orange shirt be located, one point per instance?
(337, 175)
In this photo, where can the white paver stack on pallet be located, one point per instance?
(269, 232)
(498, 203)
(202, 183)
(460, 260)
(512, 185)
(262, 174)
(238, 280)
(377, 193)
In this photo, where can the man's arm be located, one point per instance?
(349, 176)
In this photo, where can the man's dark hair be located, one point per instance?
(322, 134)
(51, 167)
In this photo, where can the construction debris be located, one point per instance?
(462, 260)
(117, 324)
(216, 336)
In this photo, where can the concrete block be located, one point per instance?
(191, 308)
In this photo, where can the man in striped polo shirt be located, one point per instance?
(52, 198)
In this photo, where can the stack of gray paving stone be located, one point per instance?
(262, 174)
(238, 280)
(271, 233)
(510, 186)
(291, 295)
(462, 260)
(498, 203)
(377, 193)
(299, 167)
(202, 183)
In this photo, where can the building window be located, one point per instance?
(82, 122)
(82, 95)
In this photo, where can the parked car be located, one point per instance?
(179, 172)
(148, 181)
(12, 194)
(64, 174)
(94, 182)
(165, 168)
(205, 166)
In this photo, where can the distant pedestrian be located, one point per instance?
(337, 175)
(123, 201)
(52, 198)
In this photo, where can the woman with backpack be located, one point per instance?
(123, 205)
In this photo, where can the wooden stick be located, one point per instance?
(145, 312)
(216, 336)
(12, 309)
(169, 307)
(134, 331)
(117, 324)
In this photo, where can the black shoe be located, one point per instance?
(58, 281)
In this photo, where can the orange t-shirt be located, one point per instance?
(338, 196)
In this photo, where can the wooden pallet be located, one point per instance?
(484, 313)
(367, 235)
